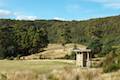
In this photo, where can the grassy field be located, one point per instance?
(51, 70)
(39, 66)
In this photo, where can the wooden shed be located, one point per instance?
(83, 57)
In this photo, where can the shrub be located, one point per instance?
(106, 49)
(52, 77)
(72, 56)
(10, 58)
(18, 57)
(111, 67)
(111, 63)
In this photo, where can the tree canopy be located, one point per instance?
(28, 37)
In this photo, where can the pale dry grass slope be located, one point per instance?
(54, 51)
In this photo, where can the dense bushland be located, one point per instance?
(27, 37)
(112, 61)
(21, 41)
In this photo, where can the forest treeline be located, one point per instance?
(19, 38)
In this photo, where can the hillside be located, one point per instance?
(80, 31)
(21, 37)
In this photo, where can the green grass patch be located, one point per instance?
(39, 66)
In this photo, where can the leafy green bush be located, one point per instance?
(105, 50)
(72, 56)
(112, 62)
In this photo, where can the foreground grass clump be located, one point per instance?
(75, 74)
(66, 73)
(19, 75)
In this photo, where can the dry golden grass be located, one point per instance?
(30, 69)
(38, 66)
(68, 73)
(112, 76)
(55, 51)
(76, 74)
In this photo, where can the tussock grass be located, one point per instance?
(67, 73)
(51, 70)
